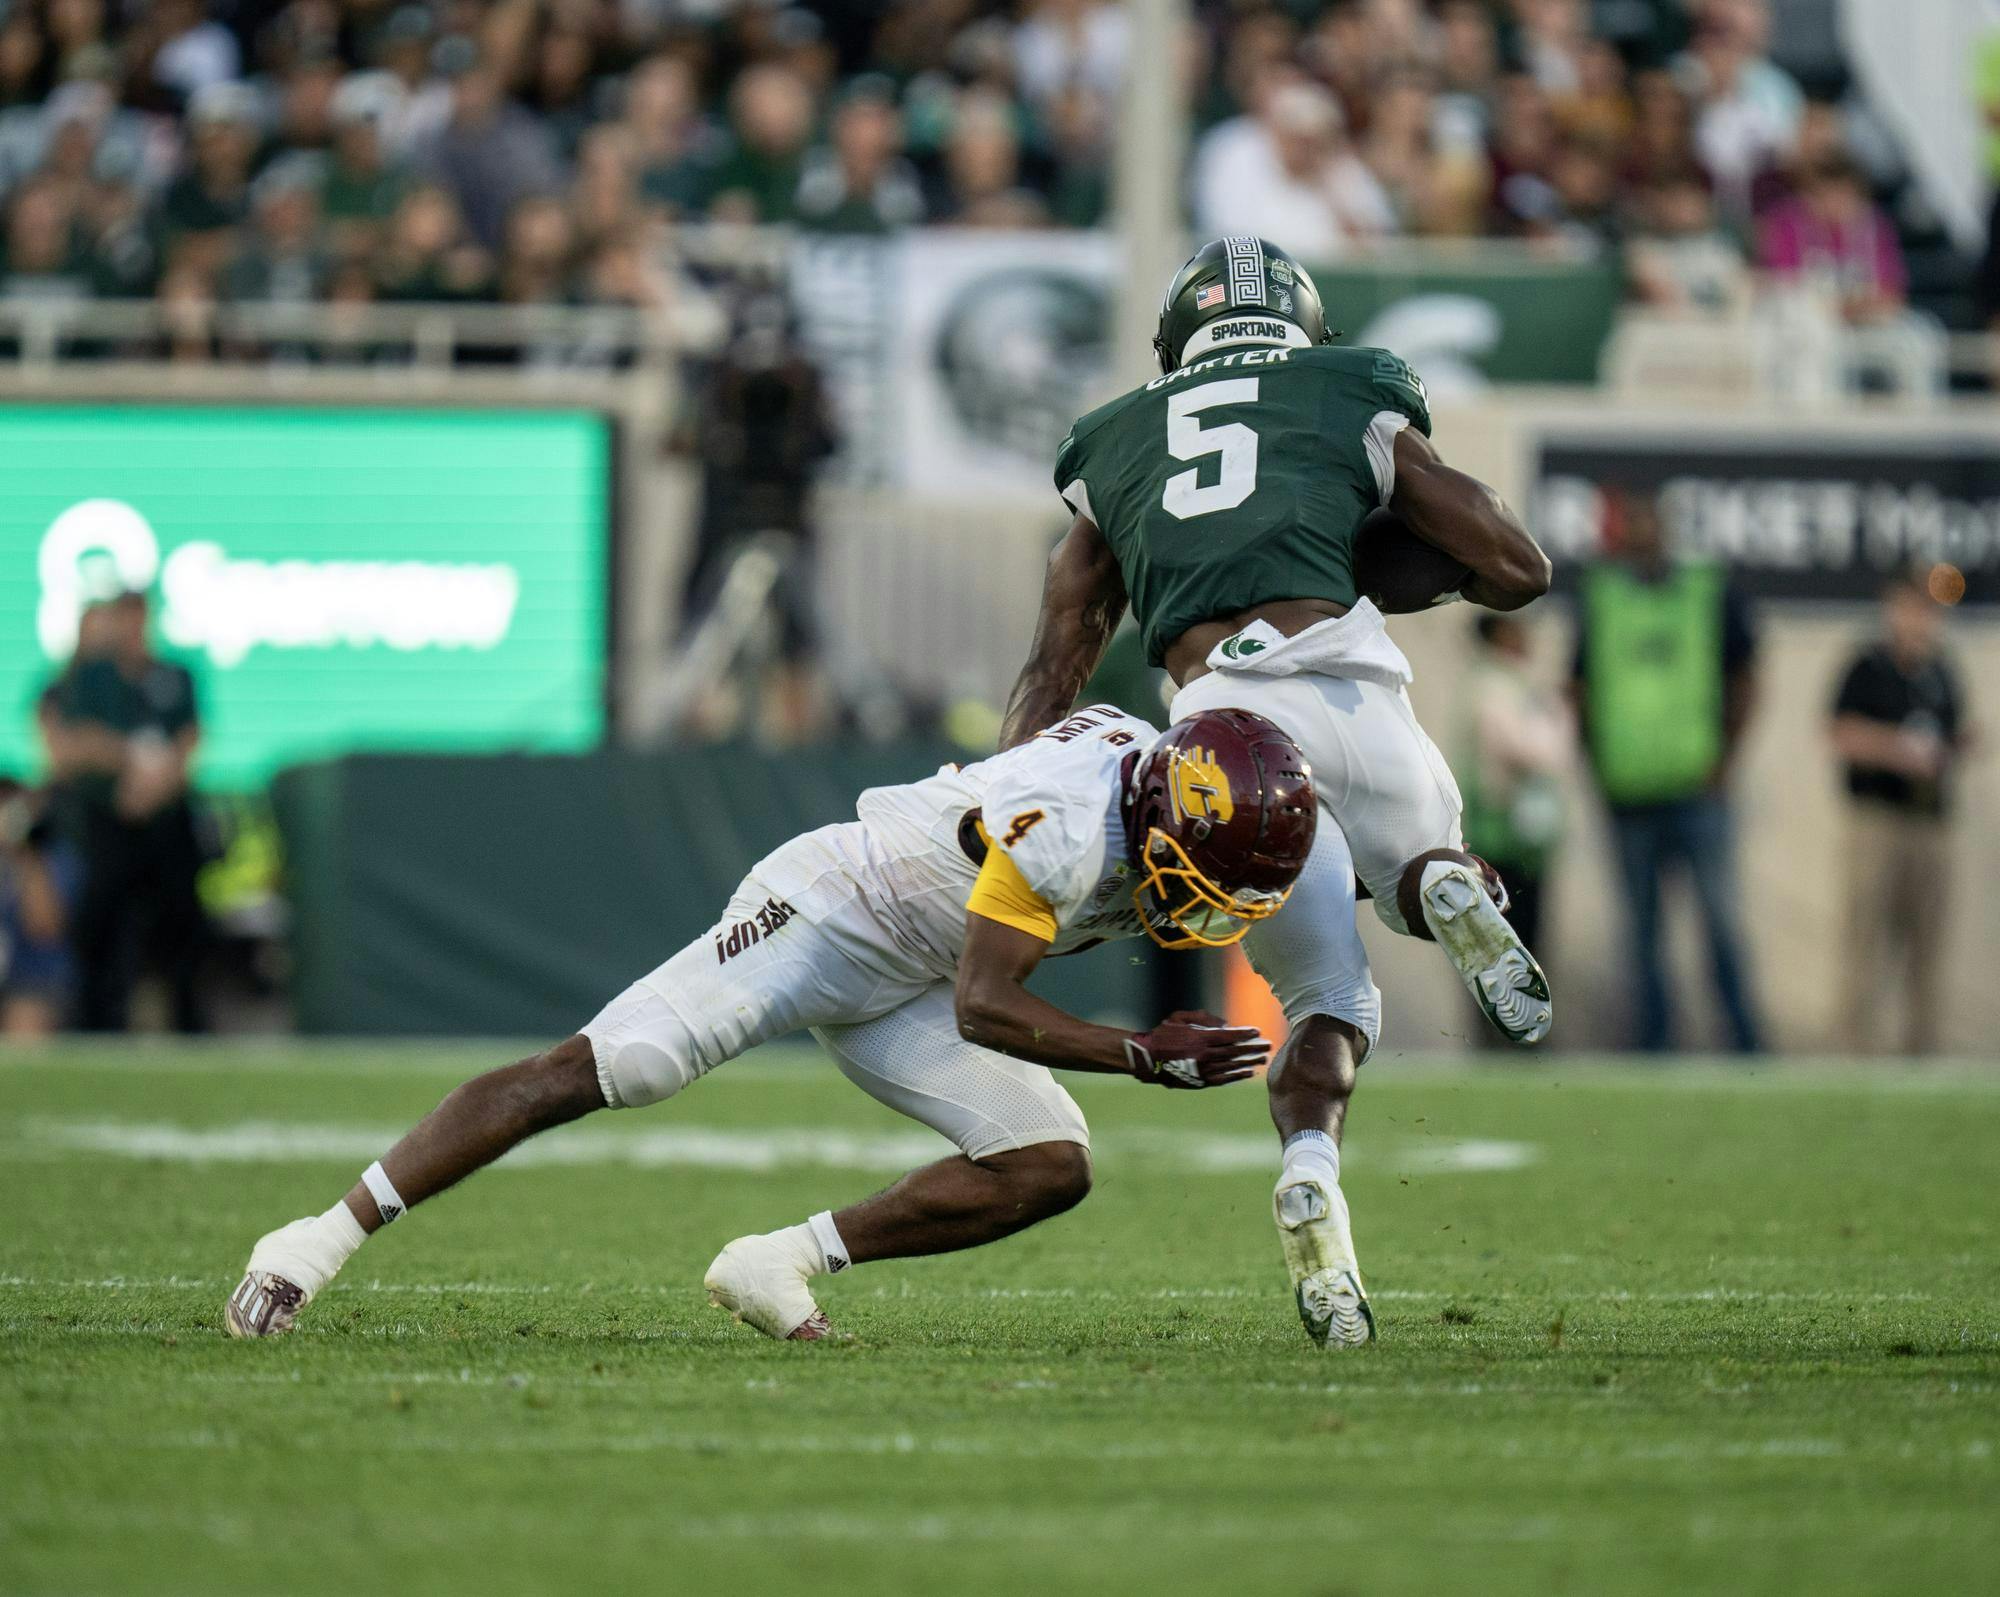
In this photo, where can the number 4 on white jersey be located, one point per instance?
(1187, 439)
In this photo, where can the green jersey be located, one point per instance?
(1241, 478)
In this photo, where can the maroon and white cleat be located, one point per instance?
(287, 1269)
(761, 1281)
(263, 1305)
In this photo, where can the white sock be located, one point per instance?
(341, 1232)
(1311, 1154)
(805, 1244)
(827, 1236)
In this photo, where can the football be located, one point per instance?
(1398, 570)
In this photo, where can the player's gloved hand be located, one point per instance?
(1194, 1049)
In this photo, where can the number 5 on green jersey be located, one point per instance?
(1187, 439)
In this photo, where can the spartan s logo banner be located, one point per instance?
(1200, 789)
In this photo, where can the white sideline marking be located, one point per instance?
(769, 1148)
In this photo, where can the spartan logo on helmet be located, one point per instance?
(1226, 278)
(1020, 353)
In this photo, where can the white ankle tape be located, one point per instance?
(827, 1235)
(383, 1191)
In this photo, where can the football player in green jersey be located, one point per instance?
(1221, 501)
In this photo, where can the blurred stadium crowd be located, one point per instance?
(544, 151)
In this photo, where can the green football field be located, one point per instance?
(1689, 1329)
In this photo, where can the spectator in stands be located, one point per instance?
(1679, 259)
(1599, 109)
(306, 93)
(561, 91)
(41, 259)
(1523, 158)
(1835, 237)
(673, 144)
(364, 183)
(209, 200)
(1899, 727)
(1433, 188)
(858, 181)
(1550, 39)
(771, 117)
(604, 194)
(1344, 52)
(1079, 138)
(1517, 737)
(1468, 62)
(983, 169)
(1587, 214)
(490, 154)
(416, 97)
(622, 270)
(1061, 44)
(77, 37)
(174, 52)
(1661, 142)
(535, 263)
(428, 255)
(24, 60)
(1292, 176)
(187, 315)
(1663, 682)
(131, 720)
(283, 260)
(1748, 108)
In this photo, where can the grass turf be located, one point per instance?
(1720, 1331)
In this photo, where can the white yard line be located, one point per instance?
(712, 1148)
(616, 1290)
(420, 1058)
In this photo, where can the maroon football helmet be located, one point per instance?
(1220, 814)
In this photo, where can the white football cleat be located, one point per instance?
(1494, 963)
(1319, 1252)
(761, 1281)
(287, 1269)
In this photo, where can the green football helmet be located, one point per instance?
(1244, 282)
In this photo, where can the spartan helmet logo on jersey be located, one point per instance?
(1221, 814)
(1238, 290)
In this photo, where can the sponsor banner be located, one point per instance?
(1794, 518)
(336, 579)
(959, 358)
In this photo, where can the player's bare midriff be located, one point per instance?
(1187, 655)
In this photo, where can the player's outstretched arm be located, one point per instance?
(1470, 522)
(1083, 599)
(996, 1010)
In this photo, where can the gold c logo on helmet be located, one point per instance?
(1199, 786)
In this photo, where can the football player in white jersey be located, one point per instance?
(902, 940)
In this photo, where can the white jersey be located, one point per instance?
(1053, 803)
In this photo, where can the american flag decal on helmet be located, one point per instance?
(1211, 295)
(1246, 270)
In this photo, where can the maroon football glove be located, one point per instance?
(1194, 1049)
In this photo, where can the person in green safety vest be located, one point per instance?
(1663, 683)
